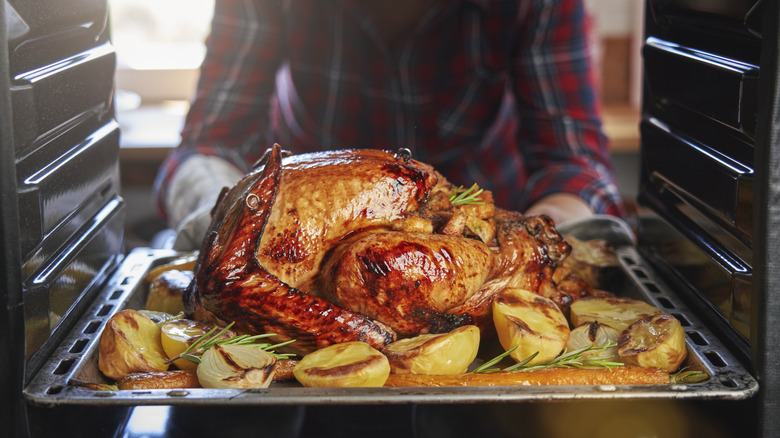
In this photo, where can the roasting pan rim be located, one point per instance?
(54, 384)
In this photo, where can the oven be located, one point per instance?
(702, 247)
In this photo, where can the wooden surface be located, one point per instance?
(621, 125)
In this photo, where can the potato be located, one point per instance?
(346, 364)
(443, 353)
(166, 291)
(160, 380)
(130, 343)
(532, 322)
(156, 316)
(593, 260)
(184, 263)
(178, 334)
(655, 341)
(484, 229)
(615, 312)
(284, 369)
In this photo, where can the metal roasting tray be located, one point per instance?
(76, 358)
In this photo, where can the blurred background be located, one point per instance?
(159, 46)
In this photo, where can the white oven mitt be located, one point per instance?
(193, 191)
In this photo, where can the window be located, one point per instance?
(159, 46)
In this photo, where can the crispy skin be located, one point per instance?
(241, 272)
(433, 283)
(529, 249)
(410, 281)
(323, 198)
(349, 245)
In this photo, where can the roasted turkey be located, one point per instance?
(365, 245)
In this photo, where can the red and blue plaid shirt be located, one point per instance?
(500, 93)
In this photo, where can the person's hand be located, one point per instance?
(193, 191)
(561, 208)
(192, 230)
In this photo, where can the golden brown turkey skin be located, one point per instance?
(259, 240)
(356, 245)
(323, 197)
(432, 283)
(410, 281)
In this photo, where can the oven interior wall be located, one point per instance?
(698, 136)
(63, 215)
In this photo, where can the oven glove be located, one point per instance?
(193, 191)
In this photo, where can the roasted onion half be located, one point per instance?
(236, 366)
(596, 334)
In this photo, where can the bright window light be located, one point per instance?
(160, 34)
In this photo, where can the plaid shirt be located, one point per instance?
(500, 93)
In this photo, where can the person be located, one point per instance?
(495, 92)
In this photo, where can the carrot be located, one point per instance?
(550, 376)
(160, 380)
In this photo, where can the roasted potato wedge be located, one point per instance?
(178, 334)
(443, 353)
(166, 291)
(593, 260)
(160, 380)
(184, 263)
(485, 229)
(615, 312)
(130, 343)
(532, 322)
(345, 364)
(655, 341)
(284, 369)
(158, 317)
(236, 366)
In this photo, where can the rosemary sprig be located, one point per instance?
(196, 349)
(466, 197)
(486, 367)
(573, 359)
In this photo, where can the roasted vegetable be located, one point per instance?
(655, 341)
(160, 380)
(617, 313)
(158, 317)
(594, 333)
(130, 343)
(284, 369)
(551, 376)
(166, 291)
(236, 366)
(178, 334)
(444, 353)
(593, 260)
(347, 364)
(184, 263)
(531, 323)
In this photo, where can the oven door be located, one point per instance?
(53, 368)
